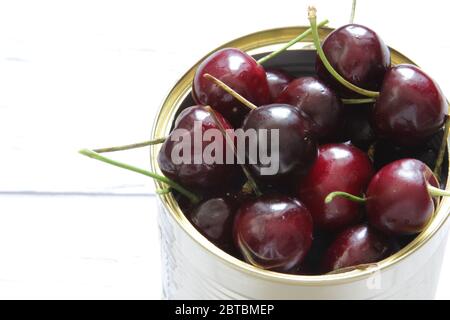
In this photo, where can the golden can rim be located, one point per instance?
(256, 43)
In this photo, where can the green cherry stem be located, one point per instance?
(94, 155)
(358, 101)
(345, 195)
(163, 191)
(229, 141)
(433, 191)
(312, 20)
(229, 90)
(130, 146)
(443, 147)
(300, 37)
(352, 14)
(436, 192)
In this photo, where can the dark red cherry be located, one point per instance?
(410, 108)
(241, 72)
(358, 54)
(356, 245)
(214, 219)
(357, 128)
(317, 100)
(398, 201)
(278, 80)
(198, 176)
(338, 167)
(273, 232)
(296, 143)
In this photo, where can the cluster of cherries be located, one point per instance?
(327, 208)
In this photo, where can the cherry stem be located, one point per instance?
(312, 19)
(436, 192)
(163, 191)
(300, 37)
(94, 155)
(130, 146)
(345, 195)
(229, 90)
(358, 101)
(443, 147)
(352, 14)
(229, 141)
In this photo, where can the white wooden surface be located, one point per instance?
(92, 73)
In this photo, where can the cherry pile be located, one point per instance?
(352, 184)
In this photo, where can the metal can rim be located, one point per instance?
(255, 43)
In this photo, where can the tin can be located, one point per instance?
(193, 268)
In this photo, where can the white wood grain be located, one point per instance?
(59, 247)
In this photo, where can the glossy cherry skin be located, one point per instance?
(355, 245)
(338, 167)
(214, 219)
(297, 148)
(207, 177)
(358, 54)
(239, 71)
(318, 101)
(273, 232)
(278, 80)
(398, 202)
(410, 108)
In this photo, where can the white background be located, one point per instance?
(91, 73)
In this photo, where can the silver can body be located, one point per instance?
(191, 272)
